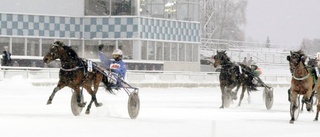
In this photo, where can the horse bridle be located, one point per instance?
(296, 55)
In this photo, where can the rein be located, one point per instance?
(71, 69)
(303, 78)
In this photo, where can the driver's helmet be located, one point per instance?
(254, 66)
(117, 54)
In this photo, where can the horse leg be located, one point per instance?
(293, 105)
(249, 97)
(93, 97)
(222, 96)
(78, 92)
(55, 90)
(318, 105)
(242, 95)
(308, 96)
(96, 87)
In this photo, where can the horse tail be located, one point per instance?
(107, 85)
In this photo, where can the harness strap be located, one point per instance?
(71, 69)
(303, 78)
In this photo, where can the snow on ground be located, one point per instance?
(169, 112)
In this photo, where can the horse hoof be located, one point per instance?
(291, 122)
(88, 112)
(81, 104)
(222, 107)
(98, 104)
(315, 119)
(49, 102)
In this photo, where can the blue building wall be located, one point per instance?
(99, 27)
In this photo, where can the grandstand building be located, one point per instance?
(153, 34)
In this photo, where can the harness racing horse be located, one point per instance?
(232, 75)
(74, 74)
(301, 83)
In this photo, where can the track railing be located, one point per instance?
(50, 76)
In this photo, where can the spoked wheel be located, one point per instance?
(268, 97)
(315, 99)
(294, 112)
(227, 99)
(133, 105)
(76, 110)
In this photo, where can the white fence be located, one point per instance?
(161, 79)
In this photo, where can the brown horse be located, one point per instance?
(232, 75)
(301, 82)
(74, 74)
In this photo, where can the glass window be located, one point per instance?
(4, 42)
(182, 52)
(174, 52)
(121, 7)
(145, 8)
(144, 50)
(194, 12)
(157, 8)
(182, 11)
(170, 9)
(166, 51)
(90, 48)
(127, 47)
(159, 50)
(151, 50)
(109, 47)
(189, 52)
(46, 45)
(18, 47)
(33, 47)
(195, 53)
(96, 7)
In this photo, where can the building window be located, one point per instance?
(33, 47)
(109, 7)
(46, 45)
(18, 47)
(144, 50)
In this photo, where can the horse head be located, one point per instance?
(220, 58)
(313, 62)
(54, 52)
(296, 57)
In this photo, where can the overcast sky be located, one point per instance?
(284, 21)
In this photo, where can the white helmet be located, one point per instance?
(117, 54)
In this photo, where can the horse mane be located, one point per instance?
(223, 53)
(68, 49)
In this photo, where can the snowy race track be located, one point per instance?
(172, 112)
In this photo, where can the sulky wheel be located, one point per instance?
(133, 105)
(227, 98)
(268, 97)
(76, 110)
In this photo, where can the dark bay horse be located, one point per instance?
(301, 82)
(74, 74)
(232, 75)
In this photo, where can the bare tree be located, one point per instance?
(227, 20)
